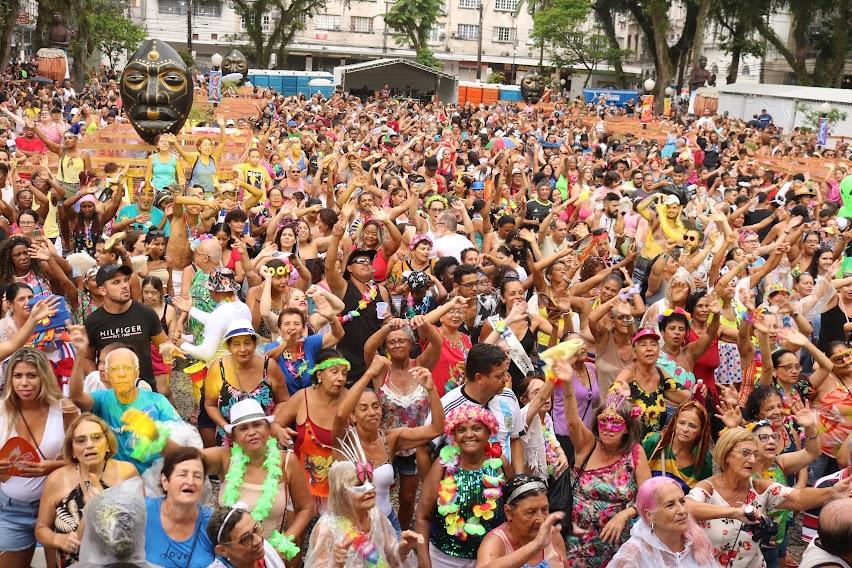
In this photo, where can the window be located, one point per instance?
(505, 5)
(214, 36)
(436, 34)
(504, 35)
(265, 23)
(468, 31)
(361, 24)
(327, 22)
(746, 71)
(178, 8)
(469, 4)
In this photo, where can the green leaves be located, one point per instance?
(413, 20)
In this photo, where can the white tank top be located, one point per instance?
(815, 556)
(30, 488)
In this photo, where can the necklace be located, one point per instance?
(607, 451)
(448, 492)
(296, 363)
(365, 547)
(366, 298)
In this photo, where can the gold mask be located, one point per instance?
(532, 88)
(156, 90)
(235, 62)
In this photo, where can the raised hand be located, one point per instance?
(804, 414)
(78, 336)
(182, 304)
(423, 376)
(44, 308)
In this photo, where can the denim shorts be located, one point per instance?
(405, 465)
(17, 523)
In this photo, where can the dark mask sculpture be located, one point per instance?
(156, 90)
(532, 88)
(235, 62)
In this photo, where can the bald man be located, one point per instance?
(833, 548)
(122, 370)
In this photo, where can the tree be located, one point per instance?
(291, 17)
(831, 42)
(414, 20)
(734, 20)
(556, 25)
(8, 16)
(118, 35)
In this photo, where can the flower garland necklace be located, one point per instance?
(551, 445)
(268, 491)
(291, 360)
(366, 298)
(419, 308)
(365, 547)
(448, 492)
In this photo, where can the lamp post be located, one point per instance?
(825, 108)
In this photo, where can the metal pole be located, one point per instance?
(479, 46)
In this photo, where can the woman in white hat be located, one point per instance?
(256, 473)
(241, 374)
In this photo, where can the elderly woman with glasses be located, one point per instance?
(238, 540)
(732, 506)
(89, 445)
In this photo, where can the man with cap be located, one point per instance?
(223, 287)
(361, 298)
(122, 368)
(663, 214)
(142, 215)
(123, 319)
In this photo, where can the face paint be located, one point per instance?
(532, 88)
(156, 90)
(235, 62)
(611, 424)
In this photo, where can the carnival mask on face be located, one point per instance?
(156, 90)
(235, 62)
(532, 88)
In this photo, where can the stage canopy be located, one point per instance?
(401, 75)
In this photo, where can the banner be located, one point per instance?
(822, 132)
(647, 108)
(214, 87)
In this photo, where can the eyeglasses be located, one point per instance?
(791, 367)
(751, 241)
(95, 437)
(248, 538)
(766, 437)
(362, 261)
(394, 342)
(469, 285)
(436, 209)
(623, 317)
(120, 368)
(746, 454)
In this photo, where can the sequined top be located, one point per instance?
(469, 494)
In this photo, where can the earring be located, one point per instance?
(652, 526)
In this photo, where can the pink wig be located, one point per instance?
(646, 500)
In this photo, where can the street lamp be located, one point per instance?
(216, 60)
(649, 85)
(825, 108)
(669, 91)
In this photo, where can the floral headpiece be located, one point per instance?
(196, 242)
(289, 222)
(670, 312)
(470, 413)
(613, 403)
(420, 238)
(432, 198)
(752, 426)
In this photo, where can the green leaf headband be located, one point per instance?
(333, 362)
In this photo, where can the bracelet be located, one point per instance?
(814, 437)
(501, 328)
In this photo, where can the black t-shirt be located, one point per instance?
(537, 210)
(755, 217)
(358, 331)
(134, 327)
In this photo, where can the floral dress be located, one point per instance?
(733, 547)
(229, 395)
(653, 404)
(600, 494)
(403, 410)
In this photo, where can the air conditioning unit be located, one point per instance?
(454, 35)
(336, 28)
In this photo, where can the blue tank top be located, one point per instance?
(163, 175)
(202, 174)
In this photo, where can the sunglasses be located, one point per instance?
(362, 261)
(611, 424)
(767, 437)
(690, 238)
(95, 437)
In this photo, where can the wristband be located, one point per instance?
(814, 437)
(500, 327)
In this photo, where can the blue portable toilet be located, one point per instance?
(510, 92)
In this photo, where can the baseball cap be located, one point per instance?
(109, 271)
(643, 333)
(671, 200)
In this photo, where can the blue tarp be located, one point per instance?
(619, 98)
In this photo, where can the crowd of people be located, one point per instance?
(407, 334)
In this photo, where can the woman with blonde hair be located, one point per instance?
(89, 444)
(31, 412)
(733, 507)
(665, 535)
(353, 533)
